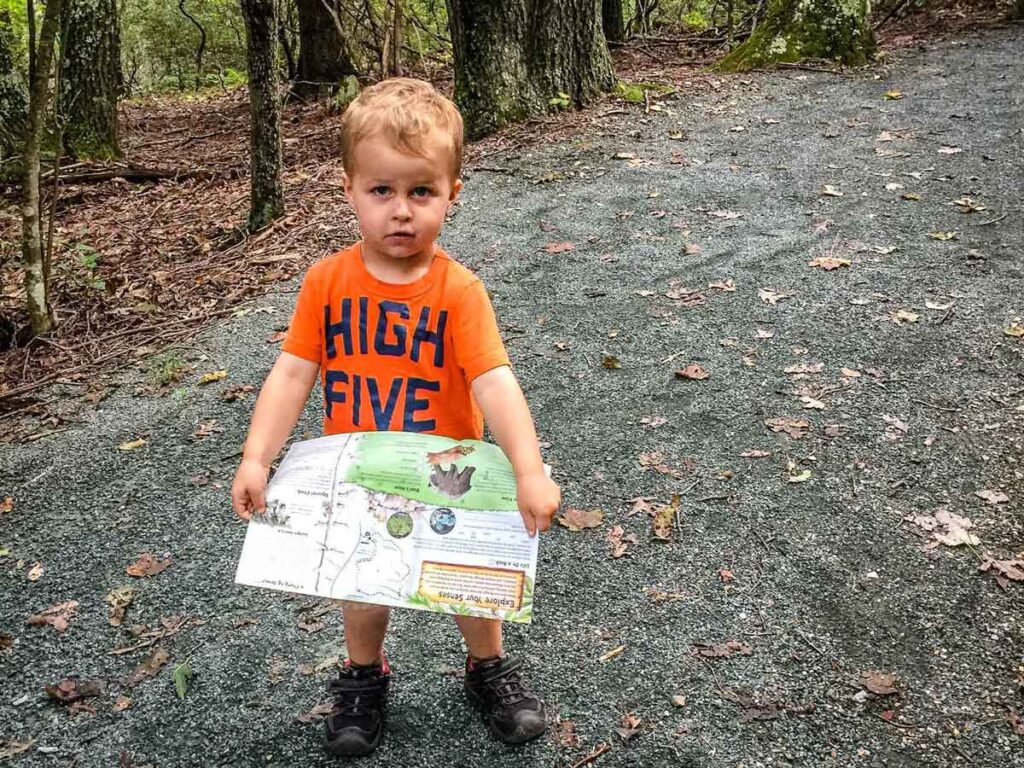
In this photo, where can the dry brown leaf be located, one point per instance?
(828, 263)
(755, 454)
(1005, 570)
(771, 296)
(147, 565)
(804, 369)
(692, 371)
(616, 651)
(640, 504)
(611, 362)
(131, 445)
(559, 247)
(566, 735)
(11, 748)
(664, 521)
(57, 616)
(992, 497)
(630, 726)
(580, 519)
(812, 404)
(829, 191)
(878, 683)
(722, 650)
(157, 658)
(763, 333)
(794, 428)
(236, 393)
(904, 316)
(316, 714)
(119, 600)
(653, 421)
(209, 378)
(724, 285)
(277, 337)
(6, 505)
(35, 572)
(726, 576)
(122, 703)
(619, 541)
(72, 689)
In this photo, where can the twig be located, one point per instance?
(599, 750)
(807, 640)
(991, 221)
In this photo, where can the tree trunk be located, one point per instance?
(1018, 10)
(793, 30)
(201, 48)
(395, 65)
(266, 195)
(324, 59)
(91, 79)
(612, 21)
(13, 98)
(516, 58)
(36, 287)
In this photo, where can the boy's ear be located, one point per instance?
(456, 188)
(346, 183)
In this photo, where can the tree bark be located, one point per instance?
(13, 98)
(514, 57)
(793, 30)
(324, 58)
(91, 80)
(266, 190)
(201, 48)
(36, 284)
(612, 21)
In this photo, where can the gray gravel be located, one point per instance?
(829, 578)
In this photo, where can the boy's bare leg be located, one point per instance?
(482, 636)
(365, 626)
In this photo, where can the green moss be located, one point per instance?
(634, 92)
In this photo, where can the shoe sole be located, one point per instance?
(341, 751)
(478, 703)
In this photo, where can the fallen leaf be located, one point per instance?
(968, 205)
(57, 616)
(653, 421)
(950, 149)
(663, 522)
(206, 429)
(566, 734)
(828, 263)
(755, 454)
(878, 683)
(6, 505)
(946, 528)
(6, 642)
(829, 191)
(640, 504)
(612, 653)
(316, 714)
(812, 404)
(936, 306)
(645, 294)
(122, 703)
(896, 423)
(624, 156)
(692, 371)
(1015, 720)
(236, 393)
(11, 748)
(209, 378)
(131, 445)
(620, 542)
(692, 249)
(904, 316)
(770, 296)
(850, 373)
(800, 477)
(149, 668)
(794, 428)
(147, 565)
(559, 247)
(611, 362)
(892, 95)
(943, 235)
(629, 727)
(1005, 570)
(722, 650)
(728, 215)
(35, 572)
(992, 497)
(1014, 330)
(912, 196)
(277, 337)
(561, 346)
(72, 689)
(763, 333)
(725, 576)
(182, 674)
(678, 700)
(723, 285)
(579, 519)
(893, 186)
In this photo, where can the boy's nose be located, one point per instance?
(402, 210)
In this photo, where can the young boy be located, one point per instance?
(403, 338)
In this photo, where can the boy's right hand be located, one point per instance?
(249, 488)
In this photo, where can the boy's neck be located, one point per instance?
(396, 271)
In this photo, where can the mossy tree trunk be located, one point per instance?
(514, 57)
(266, 201)
(90, 78)
(324, 58)
(37, 287)
(793, 30)
(13, 96)
(612, 22)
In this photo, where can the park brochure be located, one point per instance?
(395, 518)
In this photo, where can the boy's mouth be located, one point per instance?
(399, 236)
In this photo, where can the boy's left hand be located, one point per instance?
(538, 497)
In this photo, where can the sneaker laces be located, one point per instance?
(356, 692)
(505, 682)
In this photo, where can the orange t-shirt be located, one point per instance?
(396, 357)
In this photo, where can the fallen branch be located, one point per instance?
(136, 173)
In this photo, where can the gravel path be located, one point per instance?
(821, 579)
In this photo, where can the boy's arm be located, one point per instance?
(281, 400)
(504, 407)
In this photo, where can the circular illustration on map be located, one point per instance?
(442, 521)
(400, 525)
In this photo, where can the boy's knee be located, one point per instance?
(363, 609)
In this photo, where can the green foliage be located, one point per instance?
(165, 370)
(84, 271)
(182, 674)
(561, 101)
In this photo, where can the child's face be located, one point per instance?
(400, 199)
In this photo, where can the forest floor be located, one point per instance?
(821, 603)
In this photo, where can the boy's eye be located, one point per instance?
(421, 191)
(380, 190)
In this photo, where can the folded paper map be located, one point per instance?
(395, 518)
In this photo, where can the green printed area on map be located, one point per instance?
(469, 474)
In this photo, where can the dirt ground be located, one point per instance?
(816, 560)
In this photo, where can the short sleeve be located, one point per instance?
(475, 336)
(304, 338)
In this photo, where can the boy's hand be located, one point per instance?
(538, 497)
(248, 490)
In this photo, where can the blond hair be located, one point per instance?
(407, 112)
